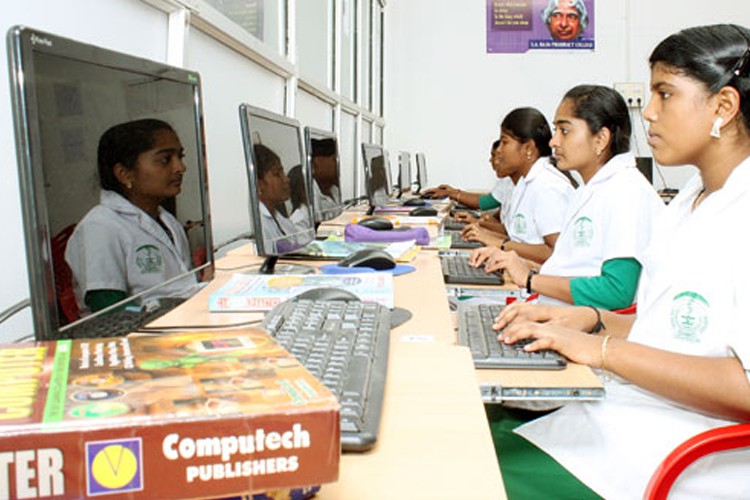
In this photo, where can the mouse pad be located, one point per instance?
(337, 269)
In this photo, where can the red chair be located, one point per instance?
(726, 438)
(631, 309)
(66, 298)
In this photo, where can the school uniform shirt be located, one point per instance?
(537, 205)
(118, 246)
(325, 202)
(693, 299)
(502, 192)
(280, 234)
(610, 217)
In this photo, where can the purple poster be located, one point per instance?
(515, 26)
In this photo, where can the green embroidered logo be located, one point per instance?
(583, 232)
(519, 224)
(689, 316)
(148, 258)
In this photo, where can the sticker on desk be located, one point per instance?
(418, 338)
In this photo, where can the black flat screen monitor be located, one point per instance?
(421, 172)
(404, 172)
(279, 183)
(376, 174)
(325, 168)
(65, 95)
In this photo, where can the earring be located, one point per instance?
(129, 185)
(716, 128)
(598, 152)
(528, 156)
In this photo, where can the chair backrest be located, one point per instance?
(726, 438)
(66, 299)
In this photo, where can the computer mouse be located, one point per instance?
(377, 223)
(327, 294)
(422, 212)
(374, 258)
(414, 202)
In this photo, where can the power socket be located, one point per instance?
(634, 93)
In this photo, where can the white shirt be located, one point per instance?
(118, 246)
(502, 192)
(693, 299)
(610, 217)
(280, 234)
(326, 202)
(537, 205)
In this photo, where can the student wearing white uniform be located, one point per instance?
(534, 215)
(596, 260)
(483, 201)
(129, 243)
(681, 367)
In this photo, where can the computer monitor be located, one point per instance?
(325, 169)
(404, 172)
(421, 172)
(279, 183)
(66, 94)
(376, 169)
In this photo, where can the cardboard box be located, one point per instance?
(184, 415)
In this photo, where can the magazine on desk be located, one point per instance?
(261, 292)
(184, 415)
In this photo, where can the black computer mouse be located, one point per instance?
(374, 258)
(422, 212)
(377, 223)
(414, 202)
(327, 294)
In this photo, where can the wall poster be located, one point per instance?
(516, 26)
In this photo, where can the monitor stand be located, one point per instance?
(269, 266)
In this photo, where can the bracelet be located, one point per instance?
(532, 273)
(502, 245)
(458, 197)
(603, 360)
(599, 325)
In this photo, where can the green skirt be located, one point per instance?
(528, 472)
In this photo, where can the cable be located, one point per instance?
(168, 329)
(14, 309)
(645, 134)
(635, 138)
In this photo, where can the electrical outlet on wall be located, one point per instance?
(634, 93)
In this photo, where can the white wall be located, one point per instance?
(446, 96)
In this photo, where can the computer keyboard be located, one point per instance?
(345, 345)
(453, 225)
(121, 322)
(458, 242)
(475, 331)
(456, 269)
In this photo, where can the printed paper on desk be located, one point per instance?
(247, 292)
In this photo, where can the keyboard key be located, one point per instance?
(475, 331)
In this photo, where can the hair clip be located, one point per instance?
(742, 66)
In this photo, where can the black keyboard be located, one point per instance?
(121, 322)
(453, 225)
(345, 345)
(456, 269)
(475, 332)
(458, 242)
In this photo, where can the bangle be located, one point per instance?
(458, 197)
(502, 245)
(603, 360)
(599, 325)
(532, 273)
